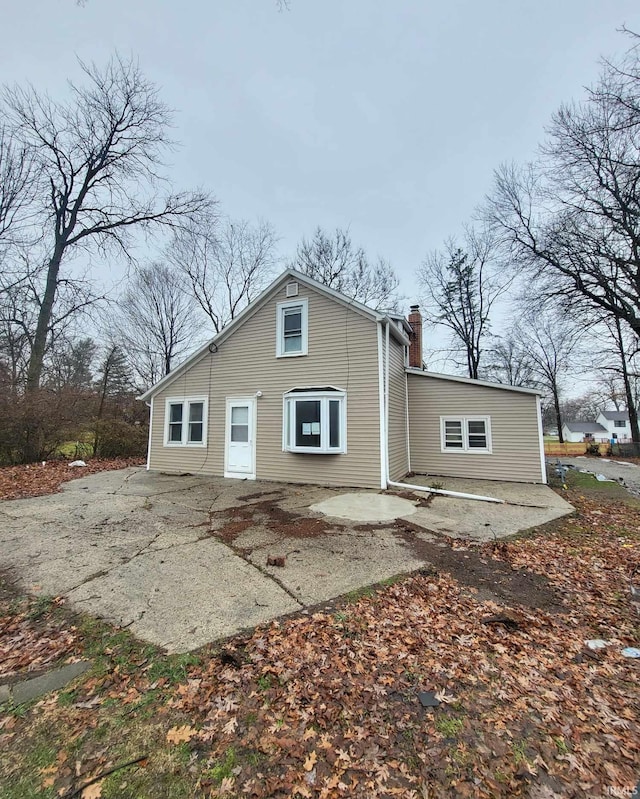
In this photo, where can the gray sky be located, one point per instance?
(387, 117)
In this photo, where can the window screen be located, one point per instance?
(477, 434)
(453, 435)
(292, 329)
(175, 422)
(240, 424)
(196, 421)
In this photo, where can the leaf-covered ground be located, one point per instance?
(325, 704)
(37, 479)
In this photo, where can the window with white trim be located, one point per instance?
(291, 328)
(619, 423)
(315, 421)
(465, 434)
(186, 422)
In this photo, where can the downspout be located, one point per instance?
(457, 494)
(150, 406)
(386, 400)
(406, 413)
(543, 465)
(383, 432)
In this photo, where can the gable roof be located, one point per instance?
(262, 299)
(584, 427)
(615, 416)
(486, 383)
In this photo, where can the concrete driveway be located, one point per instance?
(185, 560)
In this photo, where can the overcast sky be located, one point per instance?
(386, 117)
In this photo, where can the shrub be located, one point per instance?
(593, 449)
(119, 439)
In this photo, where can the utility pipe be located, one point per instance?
(457, 494)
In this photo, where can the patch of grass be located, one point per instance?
(560, 742)
(173, 668)
(586, 482)
(437, 485)
(519, 754)
(341, 616)
(41, 607)
(449, 727)
(223, 768)
(264, 682)
(359, 593)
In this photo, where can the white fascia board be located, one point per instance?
(470, 381)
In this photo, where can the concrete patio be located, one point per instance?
(185, 560)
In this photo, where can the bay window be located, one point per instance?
(315, 421)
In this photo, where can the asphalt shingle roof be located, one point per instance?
(585, 427)
(616, 416)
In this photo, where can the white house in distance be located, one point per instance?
(576, 432)
(608, 425)
(616, 423)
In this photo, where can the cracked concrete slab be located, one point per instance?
(183, 560)
(362, 506)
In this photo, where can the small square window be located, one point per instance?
(291, 328)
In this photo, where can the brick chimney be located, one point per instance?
(415, 347)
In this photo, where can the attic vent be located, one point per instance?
(292, 289)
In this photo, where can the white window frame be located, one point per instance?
(464, 421)
(289, 422)
(186, 402)
(281, 307)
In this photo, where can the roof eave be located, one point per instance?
(473, 382)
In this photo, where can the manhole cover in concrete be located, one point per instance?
(362, 507)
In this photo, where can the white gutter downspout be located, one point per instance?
(457, 494)
(150, 405)
(386, 401)
(543, 464)
(383, 432)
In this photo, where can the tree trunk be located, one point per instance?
(631, 405)
(36, 359)
(556, 406)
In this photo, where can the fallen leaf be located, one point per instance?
(177, 735)
(310, 762)
(93, 791)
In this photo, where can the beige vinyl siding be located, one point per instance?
(342, 353)
(398, 459)
(515, 439)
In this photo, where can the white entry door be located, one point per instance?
(240, 448)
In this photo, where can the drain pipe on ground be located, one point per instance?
(442, 491)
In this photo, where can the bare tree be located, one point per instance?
(156, 321)
(461, 285)
(507, 361)
(98, 160)
(20, 301)
(551, 342)
(334, 261)
(17, 181)
(572, 219)
(226, 264)
(618, 348)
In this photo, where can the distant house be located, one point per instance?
(616, 424)
(575, 432)
(306, 385)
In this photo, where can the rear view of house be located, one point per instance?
(309, 386)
